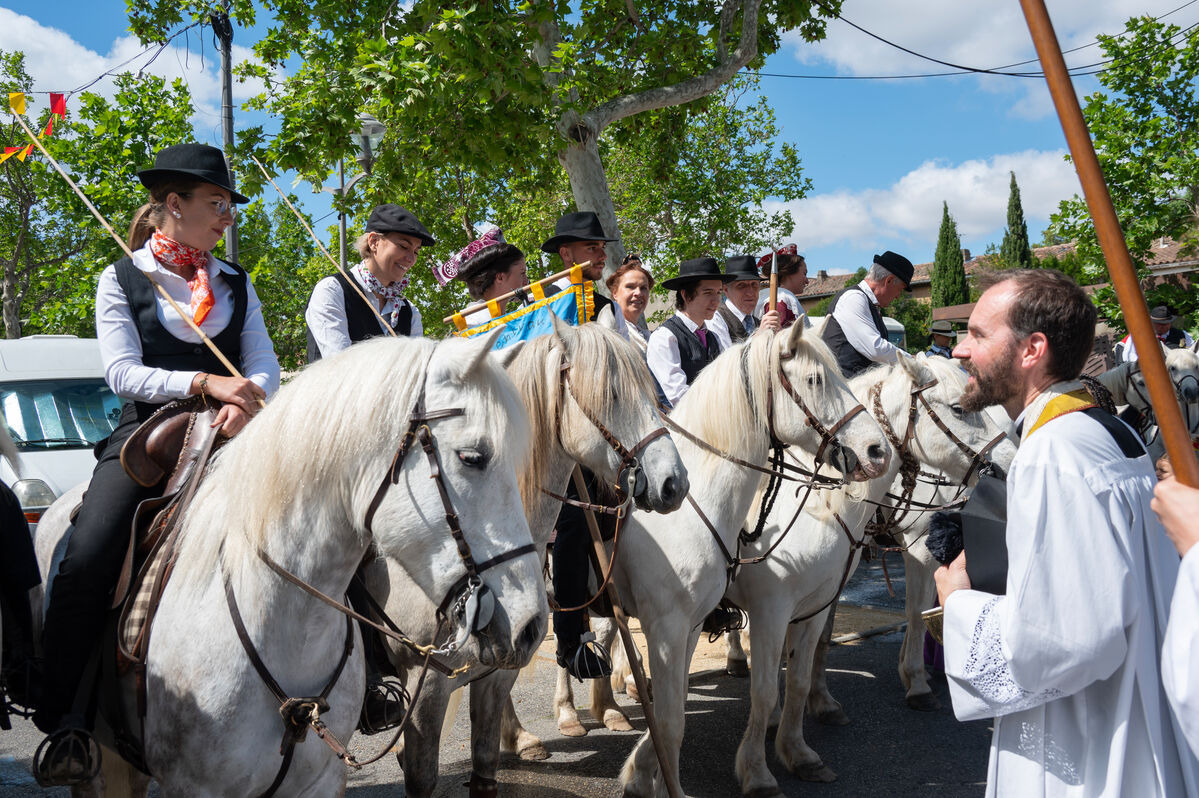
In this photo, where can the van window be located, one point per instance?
(59, 414)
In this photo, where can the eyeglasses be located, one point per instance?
(223, 206)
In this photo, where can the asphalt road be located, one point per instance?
(888, 749)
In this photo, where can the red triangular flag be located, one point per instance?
(58, 104)
(24, 153)
(49, 131)
(8, 153)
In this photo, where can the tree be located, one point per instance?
(948, 277)
(499, 91)
(1145, 125)
(1015, 251)
(915, 316)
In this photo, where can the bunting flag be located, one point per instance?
(16, 104)
(573, 304)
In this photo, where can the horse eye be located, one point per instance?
(473, 458)
(816, 380)
(957, 410)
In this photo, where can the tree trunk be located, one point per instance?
(589, 184)
(12, 302)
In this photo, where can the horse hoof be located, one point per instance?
(737, 667)
(816, 772)
(534, 752)
(616, 721)
(572, 728)
(924, 702)
(631, 691)
(764, 792)
(832, 717)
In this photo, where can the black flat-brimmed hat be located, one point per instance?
(1161, 315)
(741, 267)
(397, 219)
(941, 328)
(581, 226)
(898, 265)
(195, 161)
(694, 270)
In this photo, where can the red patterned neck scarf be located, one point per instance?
(187, 259)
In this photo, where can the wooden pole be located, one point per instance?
(353, 283)
(505, 297)
(673, 788)
(125, 248)
(1115, 251)
(774, 281)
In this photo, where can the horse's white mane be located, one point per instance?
(606, 370)
(323, 442)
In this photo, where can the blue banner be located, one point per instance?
(574, 305)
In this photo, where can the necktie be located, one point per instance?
(749, 323)
(702, 334)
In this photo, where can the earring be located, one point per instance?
(176, 214)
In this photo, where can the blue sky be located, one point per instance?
(882, 154)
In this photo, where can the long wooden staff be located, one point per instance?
(121, 242)
(514, 292)
(1115, 251)
(353, 283)
(673, 788)
(774, 281)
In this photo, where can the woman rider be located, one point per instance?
(490, 267)
(151, 356)
(630, 286)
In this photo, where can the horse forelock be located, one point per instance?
(322, 444)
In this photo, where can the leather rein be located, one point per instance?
(461, 604)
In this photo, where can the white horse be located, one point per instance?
(1127, 386)
(671, 571)
(297, 485)
(606, 382)
(788, 596)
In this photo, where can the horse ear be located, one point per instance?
(559, 328)
(507, 355)
(794, 334)
(607, 317)
(482, 348)
(916, 368)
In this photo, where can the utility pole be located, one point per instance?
(223, 29)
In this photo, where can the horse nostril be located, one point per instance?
(670, 489)
(530, 636)
(876, 453)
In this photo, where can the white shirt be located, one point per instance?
(720, 328)
(326, 313)
(665, 363)
(788, 298)
(121, 344)
(1067, 661)
(1180, 654)
(853, 314)
(1130, 348)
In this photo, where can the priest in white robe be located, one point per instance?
(1178, 507)
(1066, 662)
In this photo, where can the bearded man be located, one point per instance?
(1066, 661)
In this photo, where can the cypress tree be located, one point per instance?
(1015, 252)
(948, 277)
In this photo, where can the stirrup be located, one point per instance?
(727, 617)
(382, 707)
(66, 758)
(588, 660)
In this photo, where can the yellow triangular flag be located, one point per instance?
(16, 102)
(23, 154)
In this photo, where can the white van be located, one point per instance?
(56, 407)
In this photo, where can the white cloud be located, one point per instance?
(910, 209)
(981, 33)
(56, 62)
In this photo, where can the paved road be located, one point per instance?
(887, 749)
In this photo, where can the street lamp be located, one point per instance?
(367, 140)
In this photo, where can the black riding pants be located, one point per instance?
(81, 592)
(572, 563)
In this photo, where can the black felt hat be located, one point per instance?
(898, 265)
(1161, 315)
(694, 270)
(742, 267)
(195, 161)
(396, 219)
(581, 226)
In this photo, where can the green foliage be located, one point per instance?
(1015, 252)
(1145, 125)
(948, 276)
(915, 317)
(821, 307)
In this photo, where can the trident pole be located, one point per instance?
(223, 28)
(1111, 239)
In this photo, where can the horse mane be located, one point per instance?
(324, 434)
(607, 370)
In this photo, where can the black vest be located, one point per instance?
(361, 323)
(692, 354)
(162, 350)
(849, 359)
(1174, 339)
(737, 330)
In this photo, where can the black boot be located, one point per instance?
(67, 758)
(586, 660)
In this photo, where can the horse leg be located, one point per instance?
(803, 639)
(422, 738)
(737, 661)
(821, 704)
(767, 640)
(516, 738)
(603, 702)
(622, 674)
(564, 707)
(920, 590)
(640, 775)
(489, 697)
